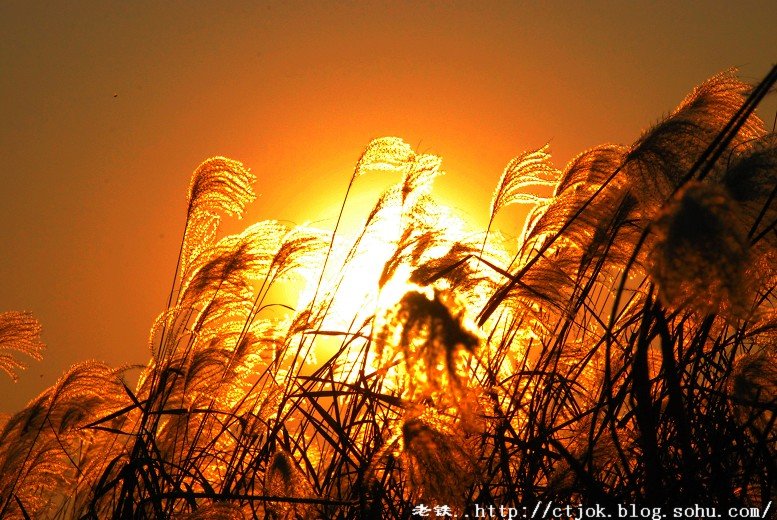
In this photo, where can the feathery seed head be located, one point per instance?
(221, 185)
(701, 254)
(19, 333)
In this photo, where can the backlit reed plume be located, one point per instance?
(19, 334)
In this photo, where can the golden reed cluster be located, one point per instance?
(622, 347)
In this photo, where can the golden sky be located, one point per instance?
(107, 107)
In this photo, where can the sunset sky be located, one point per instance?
(107, 107)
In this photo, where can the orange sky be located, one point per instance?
(106, 109)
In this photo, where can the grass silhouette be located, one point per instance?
(623, 351)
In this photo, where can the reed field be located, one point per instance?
(623, 350)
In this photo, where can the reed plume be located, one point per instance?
(19, 334)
